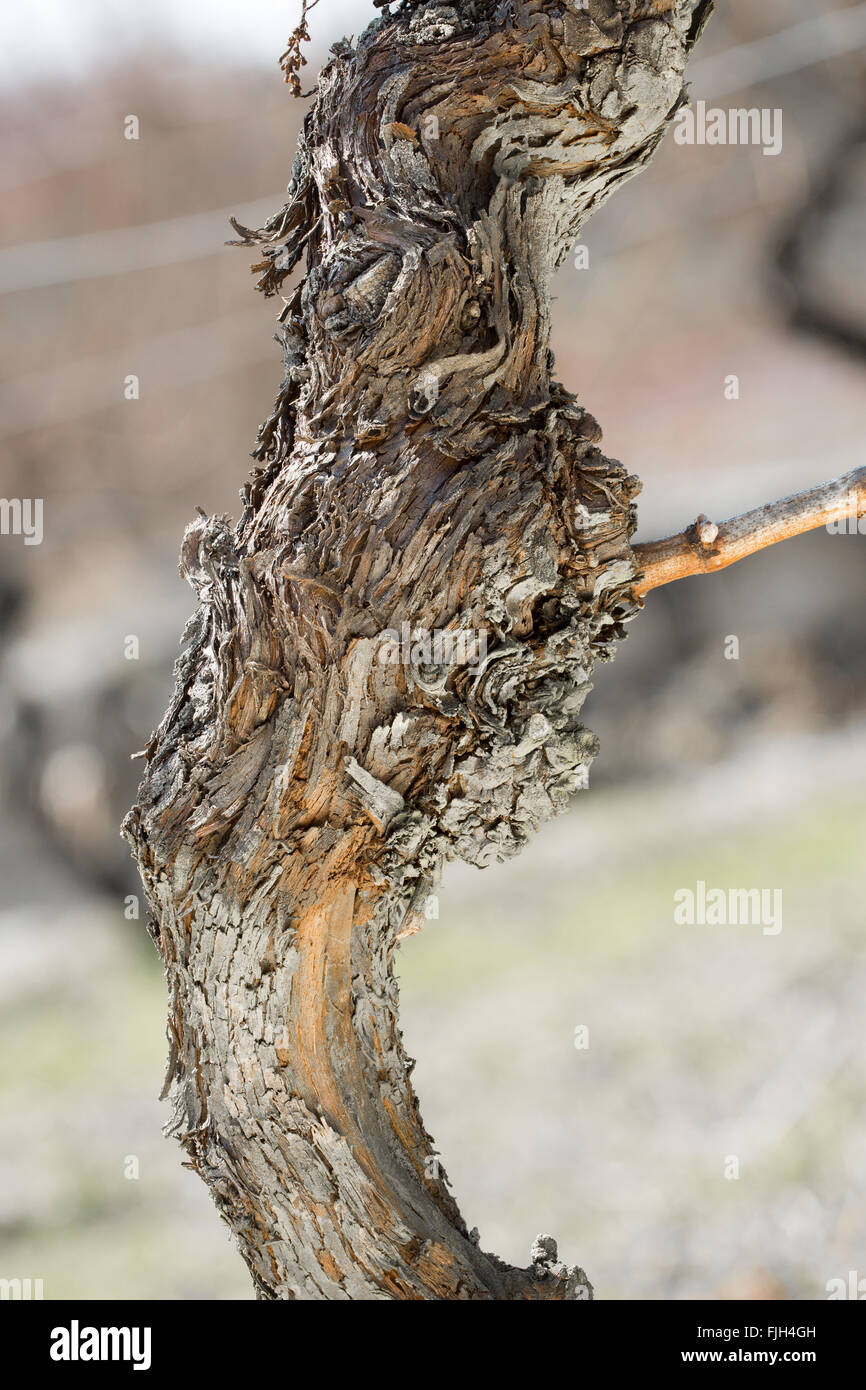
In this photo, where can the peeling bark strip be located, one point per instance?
(420, 466)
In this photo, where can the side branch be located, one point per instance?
(707, 546)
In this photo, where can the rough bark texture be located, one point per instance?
(421, 466)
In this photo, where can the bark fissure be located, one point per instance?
(422, 473)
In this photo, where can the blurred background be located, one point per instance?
(705, 1043)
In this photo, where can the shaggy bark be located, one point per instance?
(421, 467)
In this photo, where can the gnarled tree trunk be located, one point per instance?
(421, 467)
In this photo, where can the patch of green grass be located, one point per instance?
(94, 1039)
(628, 910)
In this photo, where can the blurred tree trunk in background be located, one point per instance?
(392, 646)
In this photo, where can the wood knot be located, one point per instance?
(706, 531)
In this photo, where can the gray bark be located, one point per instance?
(421, 466)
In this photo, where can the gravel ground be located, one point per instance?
(706, 1044)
